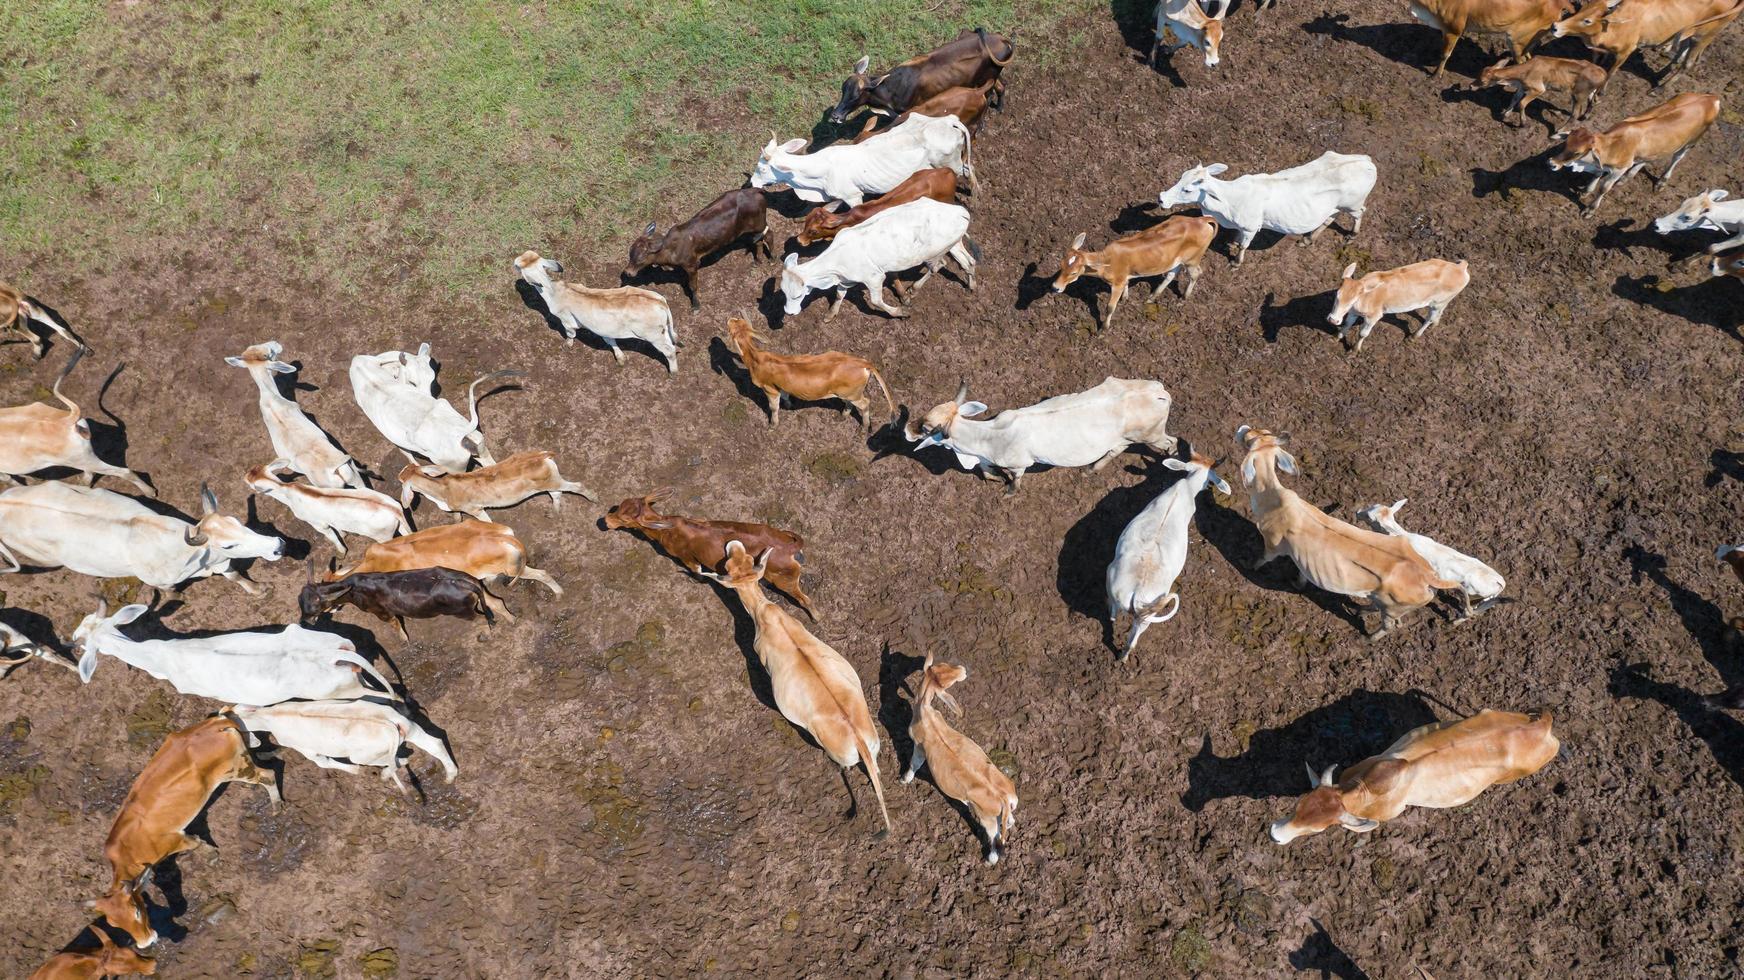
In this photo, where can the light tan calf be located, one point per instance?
(37, 437)
(1381, 570)
(612, 315)
(1429, 285)
(1179, 242)
(16, 312)
(1619, 27)
(809, 377)
(1666, 130)
(107, 960)
(1437, 766)
(502, 484)
(815, 687)
(1535, 78)
(958, 766)
(333, 511)
(481, 549)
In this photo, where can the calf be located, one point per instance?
(815, 687)
(1302, 200)
(920, 232)
(1617, 28)
(419, 593)
(1438, 766)
(17, 312)
(1706, 211)
(612, 315)
(481, 549)
(1382, 571)
(973, 59)
(1536, 77)
(822, 224)
(297, 440)
(334, 512)
(809, 377)
(364, 732)
(1730, 264)
(1428, 285)
(170, 792)
(1474, 577)
(16, 649)
(959, 767)
(1666, 130)
(1524, 22)
(107, 960)
(1163, 250)
(1153, 549)
(1193, 26)
(699, 545)
(503, 485)
(968, 103)
(718, 225)
(37, 437)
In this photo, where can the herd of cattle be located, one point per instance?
(310, 689)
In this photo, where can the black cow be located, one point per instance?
(722, 222)
(421, 593)
(972, 60)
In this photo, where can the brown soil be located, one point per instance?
(630, 805)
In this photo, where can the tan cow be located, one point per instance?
(1667, 130)
(1437, 766)
(1428, 285)
(815, 687)
(170, 792)
(1534, 78)
(1730, 264)
(16, 313)
(484, 550)
(1381, 570)
(502, 484)
(1522, 21)
(107, 960)
(808, 377)
(1619, 27)
(958, 766)
(38, 437)
(1179, 242)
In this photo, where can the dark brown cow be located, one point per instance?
(700, 545)
(420, 593)
(967, 103)
(938, 183)
(973, 59)
(685, 245)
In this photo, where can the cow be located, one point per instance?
(1667, 130)
(968, 103)
(1383, 572)
(39, 436)
(1302, 200)
(959, 767)
(1428, 285)
(481, 549)
(1709, 211)
(503, 484)
(249, 666)
(1153, 549)
(393, 389)
(974, 58)
(1524, 22)
(815, 687)
(850, 171)
(612, 315)
(18, 311)
(1442, 765)
(419, 593)
(1088, 428)
(1617, 28)
(702, 544)
(1730, 264)
(725, 220)
(170, 792)
(107, 960)
(16, 649)
(920, 232)
(96, 532)
(808, 377)
(1476, 579)
(822, 224)
(1539, 76)
(366, 733)
(1193, 25)
(331, 511)
(1179, 242)
(295, 437)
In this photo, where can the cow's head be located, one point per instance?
(124, 907)
(262, 355)
(120, 961)
(320, 597)
(1691, 213)
(1730, 264)
(793, 286)
(1263, 448)
(1208, 20)
(742, 572)
(88, 638)
(854, 90)
(935, 426)
(741, 336)
(644, 250)
(265, 478)
(768, 172)
(1190, 462)
(536, 269)
(1349, 289)
(1588, 20)
(1577, 144)
(1491, 75)
(1075, 264)
(639, 513)
(822, 223)
(1322, 807)
(1188, 189)
(228, 537)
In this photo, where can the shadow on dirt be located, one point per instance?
(1725, 464)
(1708, 302)
(1308, 312)
(1407, 43)
(1530, 174)
(1320, 954)
(1238, 541)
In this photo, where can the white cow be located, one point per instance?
(393, 389)
(250, 667)
(98, 532)
(367, 733)
(333, 511)
(1298, 201)
(295, 437)
(1088, 428)
(1153, 550)
(920, 232)
(17, 649)
(1193, 25)
(850, 171)
(1475, 578)
(1706, 211)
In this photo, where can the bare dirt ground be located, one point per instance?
(629, 802)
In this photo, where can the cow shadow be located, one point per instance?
(109, 434)
(51, 339)
(891, 441)
(1137, 21)
(531, 299)
(1137, 217)
(1711, 302)
(1239, 542)
(1033, 287)
(296, 549)
(896, 700)
(1319, 953)
(1623, 235)
(1358, 725)
(166, 877)
(1308, 312)
(1081, 573)
(745, 639)
(1407, 43)
(1530, 174)
(1725, 464)
(1723, 733)
(1700, 617)
(36, 627)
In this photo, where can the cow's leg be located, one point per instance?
(1431, 319)
(1241, 245)
(1013, 478)
(528, 571)
(916, 759)
(333, 536)
(1517, 108)
(1164, 283)
(1616, 178)
(875, 296)
(571, 327)
(242, 580)
(690, 289)
(1114, 294)
(615, 351)
(400, 621)
(1726, 245)
(1269, 555)
(1676, 158)
(1192, 280)
(772, 396)
(863, 405)
(1449, 40)
(836, 304)
(931, 266)
(1308, 239)
(264, 778)
(1107, 458)
(1368, 324)
(966, 261)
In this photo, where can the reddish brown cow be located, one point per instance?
(1666, 131)
(1534, 78)
(107, 960)
(967, 102)
(718, 225)
(938, 183)
(809, 377)
(702, 545)
(973, 59)
(1523, 21)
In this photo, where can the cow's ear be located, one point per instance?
(1078, 243)
(127, 614)
(793, 145)
(1349, 271)
(1287, 462)
(233, 362)
(280, 367)
(423, 350)
(861, 65)
(1216, 169)
(1247, 471)
(1719, 194)
(649, 230)
(791, 260)
(1175, 464)
(969, 410)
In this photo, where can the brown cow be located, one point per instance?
(968, 103)
(1523, 21)
(1666, 130)
(938, 183)
(723, 221)
(107, 960)
(1536, 77)
(700, 545)
(1729, 264)
(170, 792)
(1619, 27)
(973, 59)
(1179, 242)
(16, 313)
(481, 549)
(808, 377)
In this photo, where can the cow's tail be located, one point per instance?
(10, 559)
(987, 49)
(671, 329)
(889, 403)
(968, 155)
(472, 391)
(974, 249)
(432, 746)
(1689, 31)
(248, 738)
(72, 362)
(353, 659)
(870, 759)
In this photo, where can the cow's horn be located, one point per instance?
(193, 537)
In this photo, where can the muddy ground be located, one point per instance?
(629, 802)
